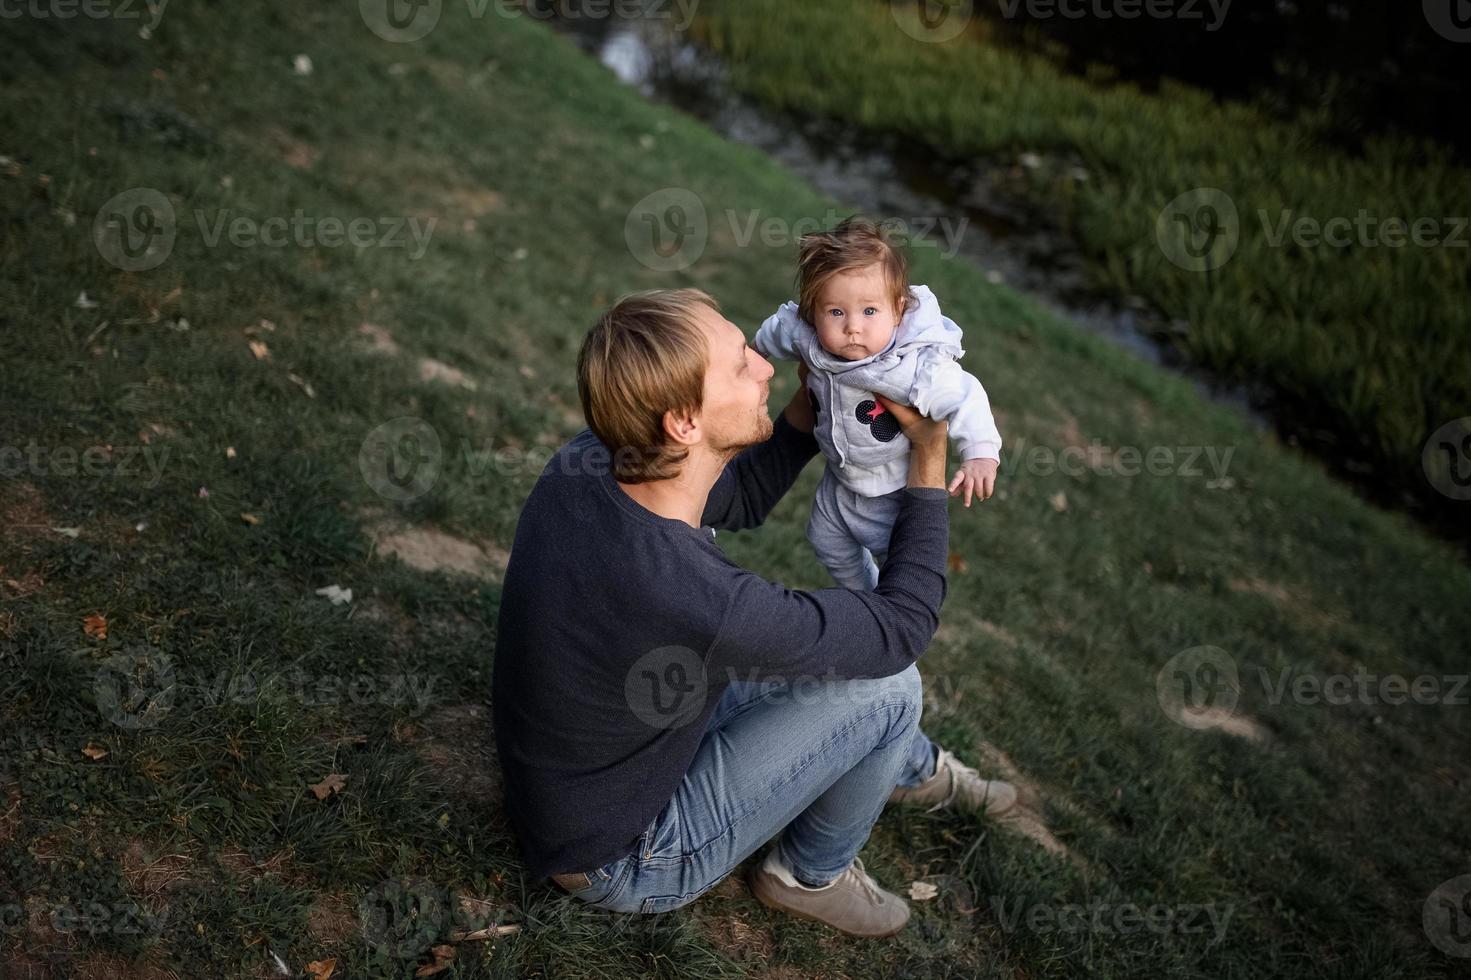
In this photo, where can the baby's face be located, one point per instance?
(855, 313)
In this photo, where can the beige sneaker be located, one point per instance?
(852, 902)
(956, 784)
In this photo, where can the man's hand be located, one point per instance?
(976, 476)
(799, 410)
(927, 444)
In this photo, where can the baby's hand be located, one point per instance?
(976, 476)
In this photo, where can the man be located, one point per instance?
(660, 712)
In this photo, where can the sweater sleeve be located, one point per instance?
(955, 395)
(770, 631)
(753, 482)
(779, 337)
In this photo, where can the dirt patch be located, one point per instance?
(151, 874)
(458, 742)
(332, 919)
(739, 940)
(10, 800)
(1026, 817)
(378, 340)
(1221, 720)
(292, 151)
(430, 550)
(1294, 602)
(432, 370)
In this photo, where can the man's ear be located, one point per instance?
(683, 430)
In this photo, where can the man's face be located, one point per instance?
(737, 383)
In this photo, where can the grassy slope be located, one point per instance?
(1367, 343)
(1324, 841)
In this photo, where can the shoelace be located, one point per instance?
(953, 768)
(870, 887)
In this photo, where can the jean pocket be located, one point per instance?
(663, 841)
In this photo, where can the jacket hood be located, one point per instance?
(921, 327)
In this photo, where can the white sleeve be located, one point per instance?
(951, 393)
(778, 338)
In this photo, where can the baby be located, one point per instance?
(867, 336)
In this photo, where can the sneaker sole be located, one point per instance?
(772, 903)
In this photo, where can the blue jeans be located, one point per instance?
(815, 763)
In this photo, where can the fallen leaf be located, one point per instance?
(70, 532)
(85, 302)
(332, 784)
(260, 350)
(95, 625)
(336, 594)
(302, 64)
(229, 452)
(204, 493)
(1058, 501)
(922, 891)
(957, 563)
(303, 383)
(250, 519)
(443, 957)
(322, 969)
(94, 753)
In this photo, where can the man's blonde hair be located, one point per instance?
(644, 357)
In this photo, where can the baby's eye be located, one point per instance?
(834, 312)
(870, 311)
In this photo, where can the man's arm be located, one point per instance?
(754, 481)
(769, 630)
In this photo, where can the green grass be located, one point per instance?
(1366, 345)
(194, 845)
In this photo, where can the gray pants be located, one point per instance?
(850, 532)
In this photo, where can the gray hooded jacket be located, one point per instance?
(919, 367)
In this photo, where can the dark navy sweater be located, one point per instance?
(619, 629)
